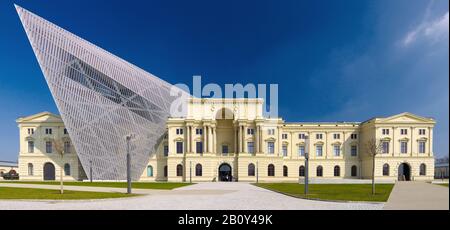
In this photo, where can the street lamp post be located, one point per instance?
(257, 175)
(128, 138)
(90, 171)
(306, 163)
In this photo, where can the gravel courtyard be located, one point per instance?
(211, 195)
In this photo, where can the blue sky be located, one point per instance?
(333, 60)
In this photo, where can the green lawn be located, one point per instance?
(142, 185)
(342, 192)
(446, 185)
(51, 194)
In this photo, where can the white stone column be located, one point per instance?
(393, 141)
(210, 139)
(204, 138)
(430, 142)
(235, 135)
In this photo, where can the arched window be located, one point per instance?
(67, 170)
(179, 170)
(149, 171)
(165, 171)
(285, 170)
(271, 170)
(423, 169)
(354, 171)
(198, 170)
(30, 169)
(385, 170)
(301, 170)
(337, 170)
(251, 169)
(319, 171)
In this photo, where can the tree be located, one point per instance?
(59, 148)
(373, 148)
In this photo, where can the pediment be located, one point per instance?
(406, 118)
(41, 117)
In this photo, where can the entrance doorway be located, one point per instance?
(225, 172)
(49, 171)
(404, 172)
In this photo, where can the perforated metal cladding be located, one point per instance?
(101, 98)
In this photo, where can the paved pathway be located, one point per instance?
(211, 195)
(418, 195)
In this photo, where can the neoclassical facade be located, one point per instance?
(231, 140)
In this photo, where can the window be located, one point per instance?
(301, 151)
(225, 149)
(319, 136)
(199, 131)
(354, 150)
(30, 131)
(385, 170)
(250, 131)
(48, 147)
(179, 147)
(301, 170)
(354, 171)
(319, 150)
(198, 170)
(166, 150)
(179, 131)
(48, 131)
(421, 146)
(271, 170)
(270, 147)
(251, 169)
(301, 136)
(66, 170)
(165, 171)
(65, 131)
(403, 147)
(319, 171)
(284, 136)
(31, 146)
(422, 170)
(179, 170)
(285, 171)
(285, 150)
(149, 171)
(403, 131)
(337, 170)
(199, 147)
(250, 147)
(336, 136)
(421, 131)
(337, 150)
(271, 131)
(66, 146)
(385, 131)
(30, 169)
(353, 136)
(385, 147)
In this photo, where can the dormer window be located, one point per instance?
(30, 131)
(403, 131)
(421, 131)
(319, 136)
(250, 131)
(48, 131)
(179, 131)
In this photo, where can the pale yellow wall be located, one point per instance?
(245, 114)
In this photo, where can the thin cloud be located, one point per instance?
(433, 31)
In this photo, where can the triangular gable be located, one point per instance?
(405, 118)
(41, 117)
